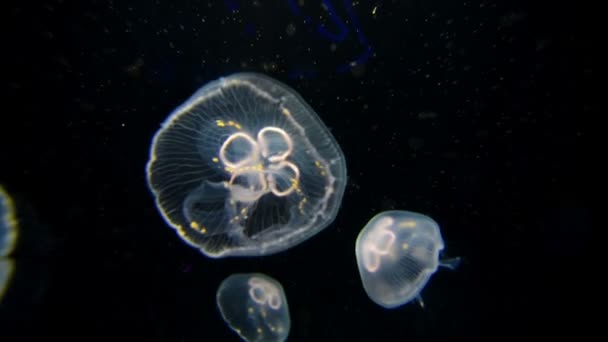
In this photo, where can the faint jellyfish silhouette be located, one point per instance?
(397, 252)
(246, 168)
(254, 305)
(8, 224)
(7, 268)
(337, 24)
(336, 37)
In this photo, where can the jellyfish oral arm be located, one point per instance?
(451, 263)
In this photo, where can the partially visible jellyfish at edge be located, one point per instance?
(245, 167)
(397, 252)
(7, 269)
(254, 306)
(8, 224)
(8, 238)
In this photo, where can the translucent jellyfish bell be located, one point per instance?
(397, 252)
(245, 168)
(8, 224)
(254, 305)
(8, 237)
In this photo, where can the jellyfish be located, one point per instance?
(7, 268)
(8, 224)
(397, 252)
(24, 243)
(254, 306)
(8, 236)
(245, 167)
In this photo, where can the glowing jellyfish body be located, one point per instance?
(8, 236)
(397, 252)
(8, 224)
(254, 306)
(246, 168)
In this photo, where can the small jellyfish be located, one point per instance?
(254, 306)
(246, 168)
(397, 252)
(8, 224)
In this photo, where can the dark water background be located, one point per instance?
(467, 111)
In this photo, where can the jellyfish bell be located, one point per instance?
(397, 252)
(245, 167)
(254, 305)
(8, 223)
(25, 254)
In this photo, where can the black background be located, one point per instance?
(467, 111)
